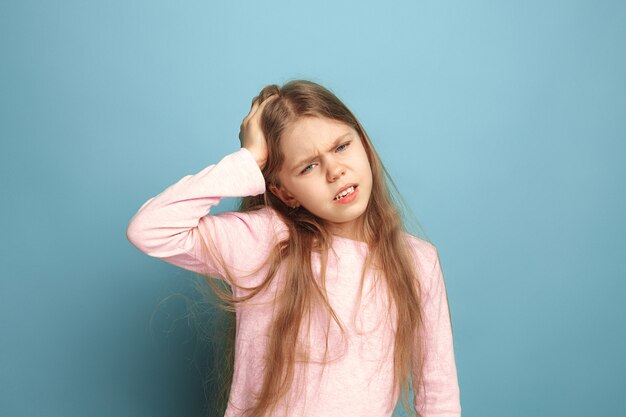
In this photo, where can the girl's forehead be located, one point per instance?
(310, 132)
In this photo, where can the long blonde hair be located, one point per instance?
(389, 253)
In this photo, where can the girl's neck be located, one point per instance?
(352, 231)
(350, 237)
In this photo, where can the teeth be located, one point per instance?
(344, 193)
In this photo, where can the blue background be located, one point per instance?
(503, 124)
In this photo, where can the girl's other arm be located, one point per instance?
(175, 226)
(440, 397)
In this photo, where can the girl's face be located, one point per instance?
(323, 157)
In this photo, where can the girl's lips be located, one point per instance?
(349, 198)
(344, 188)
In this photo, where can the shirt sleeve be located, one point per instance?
(176, 227)
(440, 396)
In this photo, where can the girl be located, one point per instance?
(337, 306)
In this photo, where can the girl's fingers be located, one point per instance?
(255, 105)
(255, 111)
(257, 108)
(267, 100)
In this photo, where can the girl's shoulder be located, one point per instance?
(424, 252)
(427, 264)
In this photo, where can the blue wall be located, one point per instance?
(503, 123)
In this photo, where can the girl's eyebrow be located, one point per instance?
(312, 157)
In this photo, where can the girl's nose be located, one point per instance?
(335, 172)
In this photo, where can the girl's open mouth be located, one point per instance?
(348, 195)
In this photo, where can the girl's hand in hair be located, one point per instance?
(250, 134)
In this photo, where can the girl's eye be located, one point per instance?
(306, 169)
(342, 147)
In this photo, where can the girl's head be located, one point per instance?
(317, 149)
(322, 160)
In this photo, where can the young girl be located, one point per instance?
(337, 306)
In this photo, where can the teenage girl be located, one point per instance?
(337, 306)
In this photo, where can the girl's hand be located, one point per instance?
(250, 134)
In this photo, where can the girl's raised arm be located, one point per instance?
(441, 397)
(175, 226)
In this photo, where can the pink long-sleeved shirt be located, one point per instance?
(175, 226)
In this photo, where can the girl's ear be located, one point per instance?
(284, 195)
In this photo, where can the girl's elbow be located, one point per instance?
(136, 235)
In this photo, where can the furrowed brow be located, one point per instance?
(312, 157)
